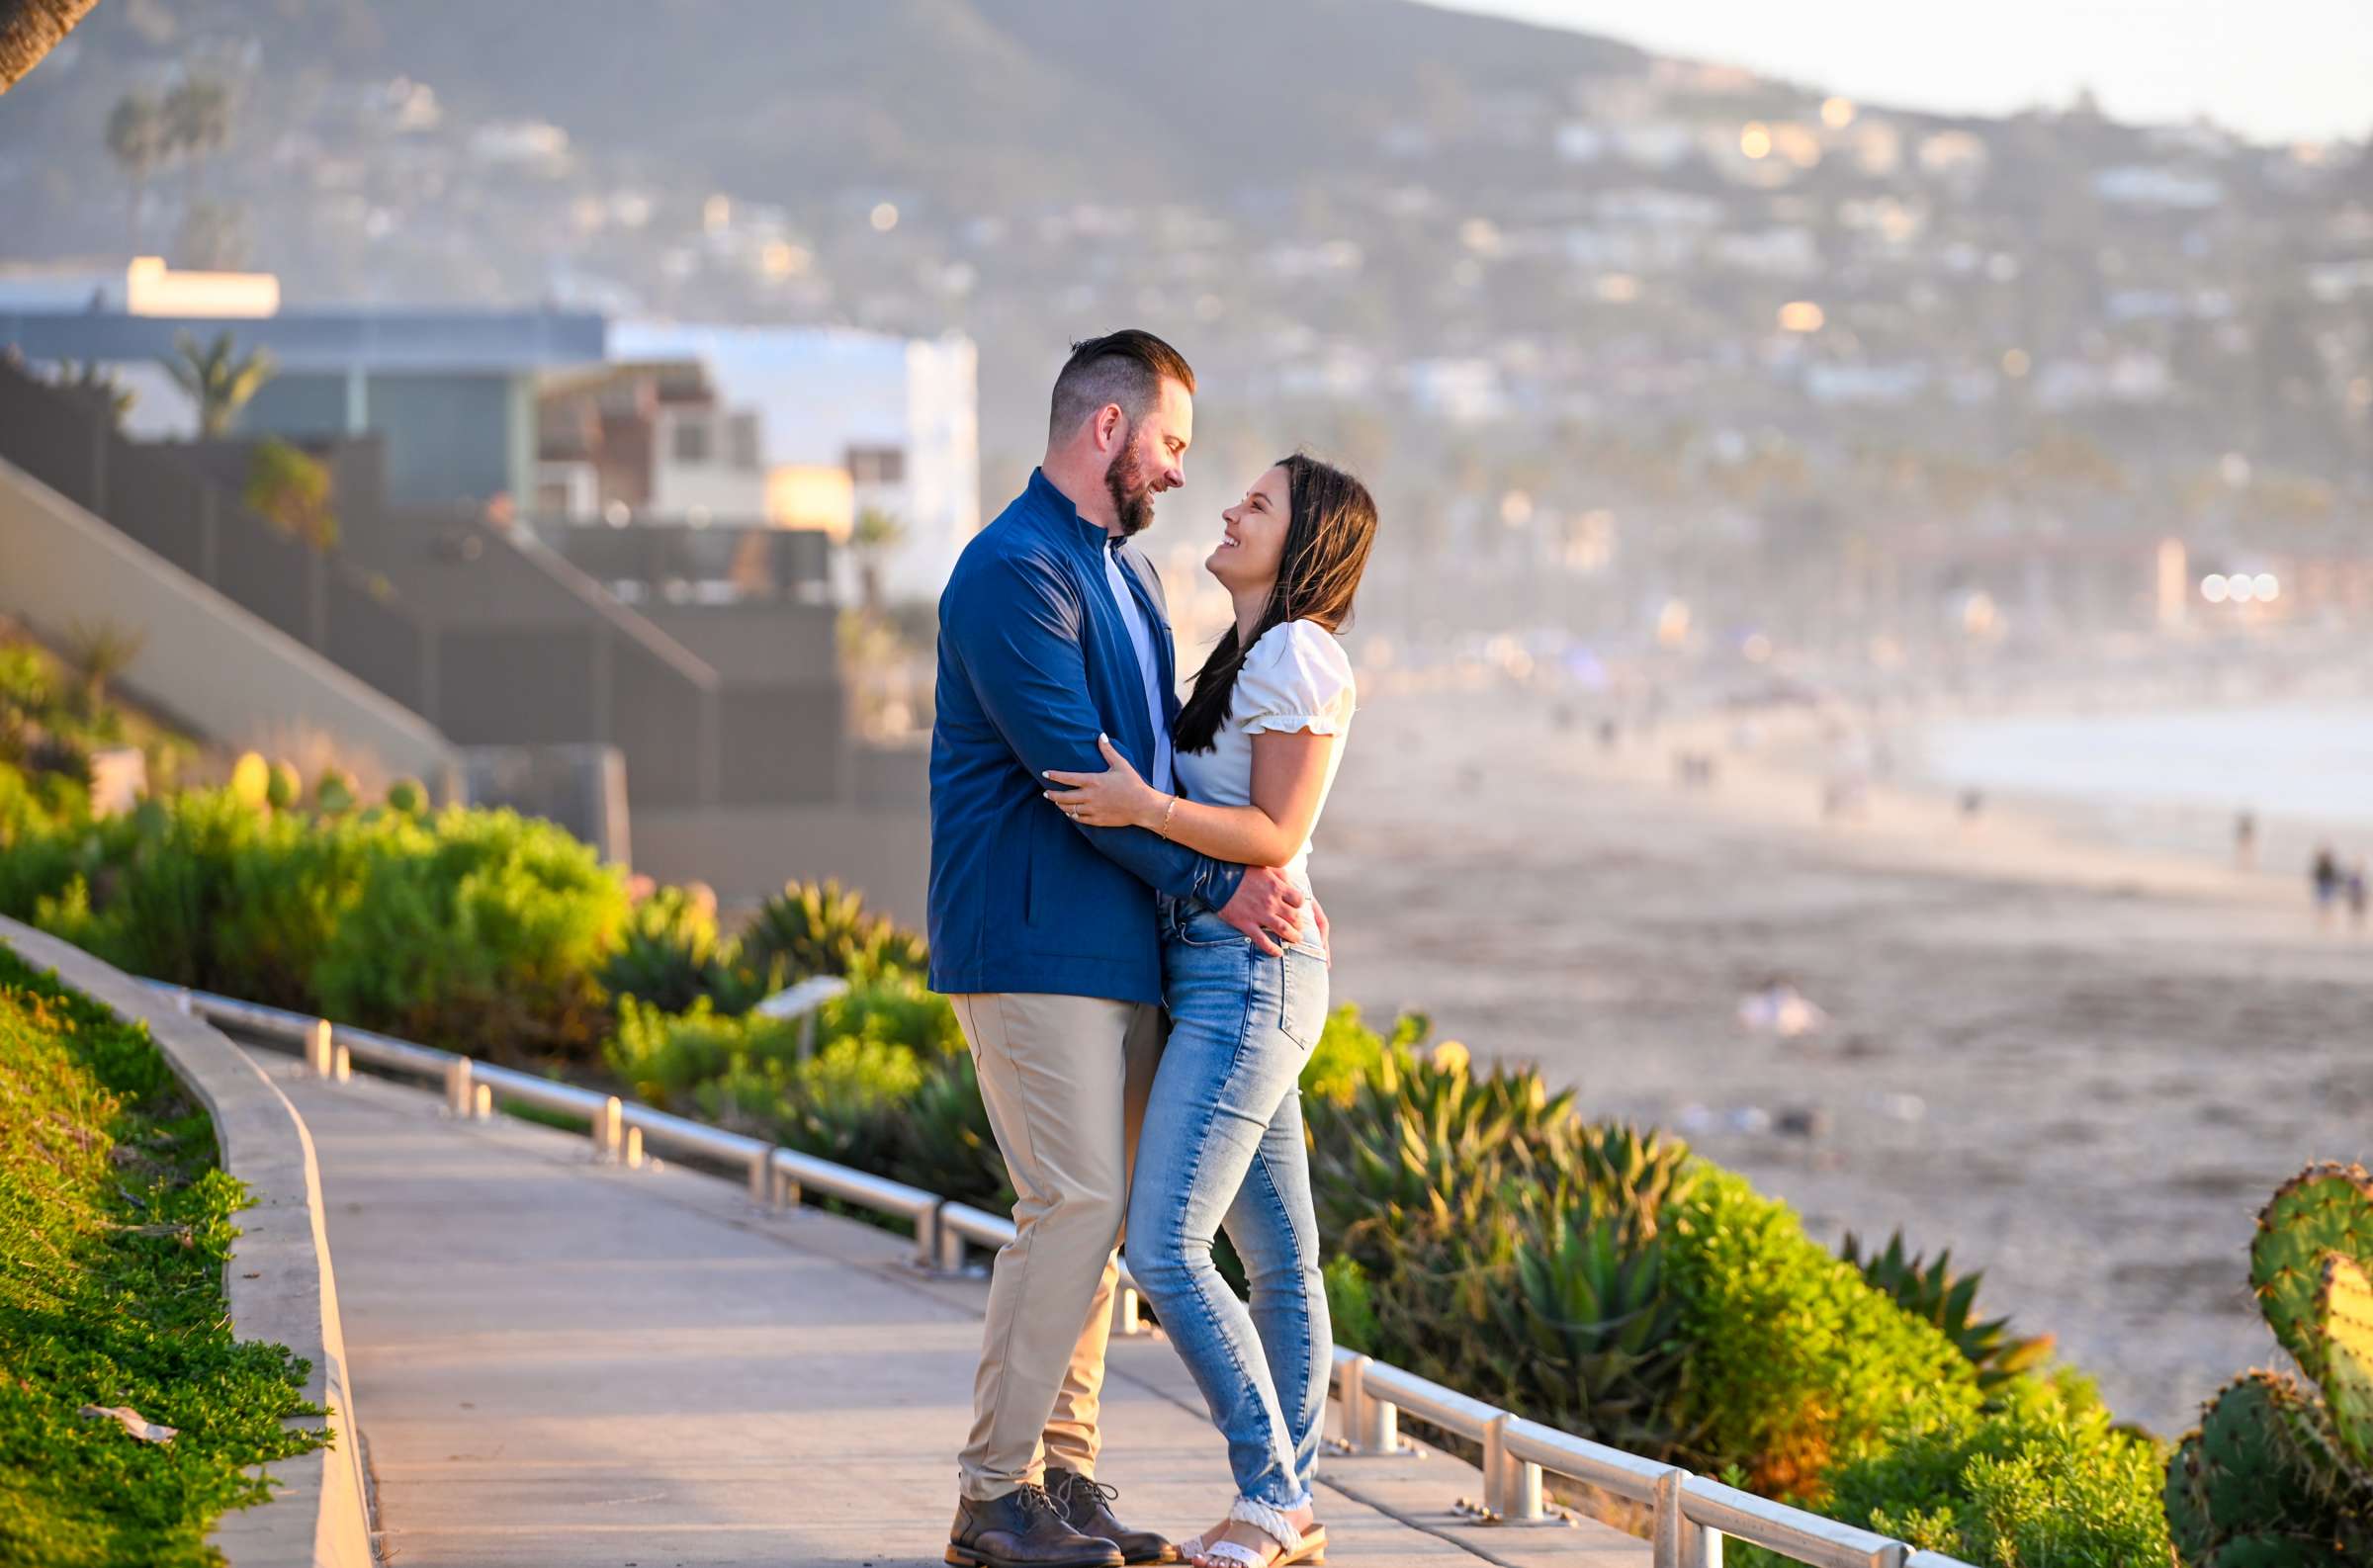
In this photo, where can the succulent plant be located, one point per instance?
(2276, 1475)
(826, 930)
(283, 788)
(407, 797)
(1933, 1293)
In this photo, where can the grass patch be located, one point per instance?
(115, 1229)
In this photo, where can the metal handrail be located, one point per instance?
(1690, 1513)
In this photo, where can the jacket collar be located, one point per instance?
(1058, 505)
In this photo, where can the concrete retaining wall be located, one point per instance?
(207, 662)
(318, 1515)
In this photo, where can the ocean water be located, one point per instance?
(2296, 762)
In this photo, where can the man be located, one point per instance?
(1052, 632)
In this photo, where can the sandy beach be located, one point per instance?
(2079, 1065)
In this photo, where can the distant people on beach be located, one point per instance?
(2356, 896)
(2323, 882)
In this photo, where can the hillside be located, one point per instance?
(958, 100)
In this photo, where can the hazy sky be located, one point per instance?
(2277, 71)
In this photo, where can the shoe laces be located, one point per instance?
(1073, 1483)
(1036, 1500)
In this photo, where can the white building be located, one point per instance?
(900, 415)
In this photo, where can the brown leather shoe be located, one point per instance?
(1024, 1529)
(1086, 1506)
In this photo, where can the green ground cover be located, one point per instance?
(115, 1227)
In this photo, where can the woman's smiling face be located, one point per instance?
(1252, 542)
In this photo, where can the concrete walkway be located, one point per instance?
(555, 1363)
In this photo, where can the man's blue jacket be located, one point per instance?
(1035, 663)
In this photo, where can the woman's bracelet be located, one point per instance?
(1163, 830)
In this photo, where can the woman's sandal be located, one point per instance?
(1289, 1549)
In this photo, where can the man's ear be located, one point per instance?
(1111, 427)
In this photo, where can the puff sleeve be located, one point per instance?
(1297, 677)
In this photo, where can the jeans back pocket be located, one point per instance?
(1303, 996)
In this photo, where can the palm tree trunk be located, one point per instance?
(31, 29)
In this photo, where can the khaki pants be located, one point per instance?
(1065, 1080)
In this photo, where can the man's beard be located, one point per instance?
(1132, 496)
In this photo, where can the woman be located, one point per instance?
(1256, 746)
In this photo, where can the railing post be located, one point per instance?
(1371, 1424)
(1511, 1486)
(481, 1102)
(341, 1064)
(951, 1247)
(606, 1124)
(762, 1184)
(1124, 1311)
(317, 1057)
(786, 1186)
(457, 1095)
(634, 1147)
(1701, 1547)
(1665, 1531)
(927, 1239)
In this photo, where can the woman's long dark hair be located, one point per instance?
(1330, 525)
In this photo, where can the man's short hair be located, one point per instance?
(1126, 367)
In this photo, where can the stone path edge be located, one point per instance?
(320, 1514)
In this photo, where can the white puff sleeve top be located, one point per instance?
(1296, 678)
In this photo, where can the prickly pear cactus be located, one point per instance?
(2324, 1209)
(2276, 1477)
(2345, 1314)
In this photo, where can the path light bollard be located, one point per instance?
(458, 1086)
(606, 1124)
(341, 1064)
(1668, 1529)
(319, 1057)
(482, 1104)
(1124, 1311)
(634, 1148)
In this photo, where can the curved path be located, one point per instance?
(564, 1363)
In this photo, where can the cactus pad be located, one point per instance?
(2345, 1314)
(2326, 1208)
(2250, 1473)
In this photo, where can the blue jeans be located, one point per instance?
(1222, 1145)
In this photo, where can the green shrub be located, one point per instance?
(488, 943)
(2040, 1478)
(481, 931)
(116, 1227)
(1796, 1364)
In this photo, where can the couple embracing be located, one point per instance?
(1120, 911)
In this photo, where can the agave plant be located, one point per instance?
(2277, 1474)
(1933, 1293)
(671, 957)
(825, 930)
